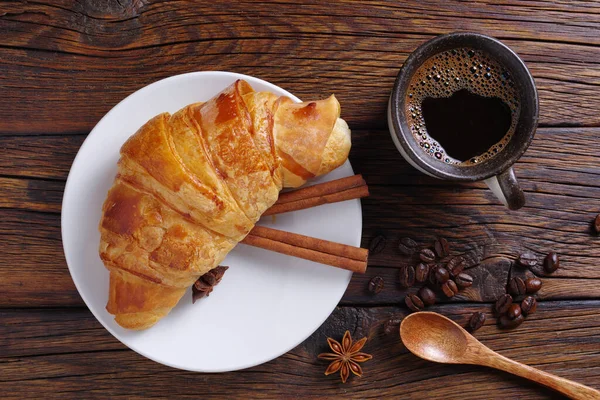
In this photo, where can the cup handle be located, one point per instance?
(507, 189)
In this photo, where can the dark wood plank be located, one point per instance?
(69, 352)
(489, 282)
(44, 156)
(33, 271)
(559, 174)
(89, 57)
(557, 155)
(31, 194)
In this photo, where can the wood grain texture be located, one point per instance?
(44, 156)
(82, 57)
(68, 351)
(66, 63)
(34, 273)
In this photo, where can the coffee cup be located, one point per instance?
(464, 107)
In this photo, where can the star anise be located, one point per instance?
(345, 356)
(205, 284)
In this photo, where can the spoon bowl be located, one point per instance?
(436, 338)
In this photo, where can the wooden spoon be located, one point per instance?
(436, 338)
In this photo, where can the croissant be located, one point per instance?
(191, 185)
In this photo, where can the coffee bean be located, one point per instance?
(442, 247)
(427, 295)
(414, 302)
(376, 284)
(528, 305)
(440, 275)
(513, 311)
(377, 244)
(427, 256)
(456, 265)
(517, 287)
(449, 288)
(505, 322)
(533, 285)
(407, 276)
(551, 262)
(597, 224)
(527, 260)
(502, 304)
(432, 280)
(421, 272)
(463, 280)
(476, 321)
(407, 246)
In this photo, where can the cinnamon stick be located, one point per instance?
(301, 204)
(322, 189)
(322, 251)
(352, 187)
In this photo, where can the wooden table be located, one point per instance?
(64, 64)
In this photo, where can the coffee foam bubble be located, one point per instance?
(445, 74)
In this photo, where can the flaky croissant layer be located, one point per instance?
(191, 185)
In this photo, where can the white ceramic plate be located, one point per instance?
(266, 304)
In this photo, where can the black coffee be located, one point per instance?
(466, 124)
(462, 106)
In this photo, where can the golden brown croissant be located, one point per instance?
(191, 185)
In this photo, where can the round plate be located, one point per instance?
(266, 304)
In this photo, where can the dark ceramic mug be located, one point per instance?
(496, 171)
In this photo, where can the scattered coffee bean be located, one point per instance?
(427, 256)
(442, 248)
(392, 325)
(445, 272)
(414, 302)
(463, 280)
(597, 224)
(533, 285)
(513, 311)
(502, 304)
(505, 322)
(476, 321)
(376, 284)
(431, 279)
(456, 265)
(421, 272)
(449, 288)
(407, 246)
(527, 260)
(440, 275)
(407, 276)
(551, 262)
(427, 296)
(528, 305)
(377, 244)
(517, 287)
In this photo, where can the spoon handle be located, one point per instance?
(569, 388)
